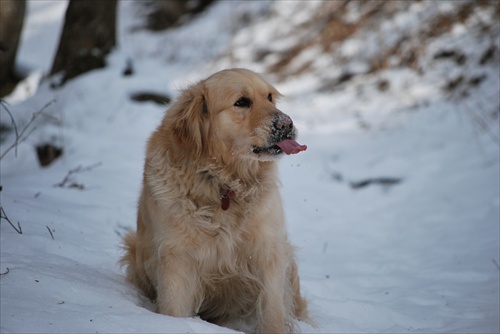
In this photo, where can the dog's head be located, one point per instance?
(233, 113)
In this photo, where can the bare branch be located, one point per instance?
(21, 137)
(4, 104)
(4, 216)
(68, 177)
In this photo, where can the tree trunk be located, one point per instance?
(11, 24)
(89, 34)
(165, 14)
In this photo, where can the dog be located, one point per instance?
(211, 239)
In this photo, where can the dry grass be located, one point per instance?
(336, 21)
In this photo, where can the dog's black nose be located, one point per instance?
(283, 123)
(282, 127)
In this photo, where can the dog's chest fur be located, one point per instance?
(225, 244)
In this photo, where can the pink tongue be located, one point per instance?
(290, 146)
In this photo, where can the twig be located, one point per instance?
(50, 232)
(4, 104)
(5, 273)
(20, 137)
(78, 169)
(4, 216)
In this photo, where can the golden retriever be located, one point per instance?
(211, 238)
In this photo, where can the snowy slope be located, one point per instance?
(416, 250)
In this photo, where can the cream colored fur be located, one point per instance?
(232, 267)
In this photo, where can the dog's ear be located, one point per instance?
(189, 119)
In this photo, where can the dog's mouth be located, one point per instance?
(287, 146)
(281, 138)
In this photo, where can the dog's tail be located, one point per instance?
(135, 270)
(129, 247)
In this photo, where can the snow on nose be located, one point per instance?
(284, 133)
(283, 122)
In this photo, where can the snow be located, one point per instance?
(421, 255)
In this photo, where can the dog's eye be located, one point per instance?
(243, 102)
(270, 97)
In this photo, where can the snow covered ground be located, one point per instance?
(394, 207)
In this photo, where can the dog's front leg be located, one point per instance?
(176, 287)
(272, 308)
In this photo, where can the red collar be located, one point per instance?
(225, 198)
